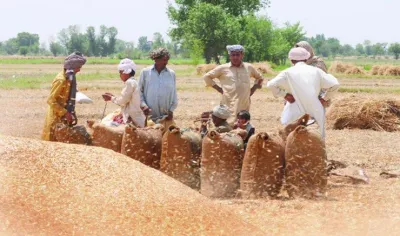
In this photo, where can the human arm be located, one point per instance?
(277, 86)
(141, 84)
(174, 102)
(57, 88)
(210, 76)
(259, 79)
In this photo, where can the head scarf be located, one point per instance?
(306, 46)
(234, 48)
(127, 66)
(299, 54)
(74, 61)
(159, 53)
(222, 112)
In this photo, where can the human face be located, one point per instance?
(236, 58)
(76, 70)
(216, 120)
(241, 121)
(161, 63)
(124, 77)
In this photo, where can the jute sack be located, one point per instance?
(50, 188)
(76, 134)
(180, 157)
(221, 163)
(263, 166)
(143, 144)
(284, 133)
(106, 136)
(305, 170)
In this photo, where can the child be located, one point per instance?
(243, 122)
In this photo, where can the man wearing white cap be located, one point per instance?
(234, 78)
(300, 85)
(219, 115)
(130, 95)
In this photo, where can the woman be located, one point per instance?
(130, 95)
(313, 60)
(59, 95)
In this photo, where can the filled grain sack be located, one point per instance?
(284, 133)
(180, 157)
(76, 134)
(305, 159)
(263, 166)
(143, 144)
(221, 163)
(50, 188)
(109, 137)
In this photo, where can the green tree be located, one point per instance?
(378, 49)
(292, 33)
(91, 36)
(196, 51)
(158, 41)
(348, 50)
(11, 46)
(213, 27)
(279, 48)
(112, 33)
(368, 47)
(360, 49)
(395, 50)
(23, 50)
(56, 48)
(143, 44)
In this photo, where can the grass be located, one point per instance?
(370, 90)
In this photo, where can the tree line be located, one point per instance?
(201, 30)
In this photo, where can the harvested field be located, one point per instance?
(371, 209)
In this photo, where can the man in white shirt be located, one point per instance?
(301, 85)
(130, 95)
(157, 85)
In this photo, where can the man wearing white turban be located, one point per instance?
(219, 116)
(234, 78)
(300, 85)
(130, 95)
(59, 95)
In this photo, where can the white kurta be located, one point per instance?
(305, 83)
(130, 102)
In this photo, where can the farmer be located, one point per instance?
(157, 86)
(300, 85)
(59, 95)
(130, 95)
(312, 60)
(234, 78)
(219, 116)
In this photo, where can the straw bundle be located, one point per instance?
(263, 68)
(50, 188)
(204, 68)
(354, 113)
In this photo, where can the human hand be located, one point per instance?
(170, 115)
(289, 97)
(107, 97)
(146, 110)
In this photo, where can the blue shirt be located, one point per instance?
(158, 91)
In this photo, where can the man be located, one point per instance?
(130, 95)
(219, 116)
(59, 95)
(300, 85)
(157, 85)
(234, 78)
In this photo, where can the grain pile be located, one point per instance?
(50, 188)
(264, 68)
(364, 113)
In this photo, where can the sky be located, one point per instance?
(351, 21)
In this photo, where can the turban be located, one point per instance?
(74, 61)
(127, 66)
(306, 46)
(299, 54)
(234, 48)
(221, 112)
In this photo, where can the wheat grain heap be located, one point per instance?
(50, 188)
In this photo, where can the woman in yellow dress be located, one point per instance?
(59, 95)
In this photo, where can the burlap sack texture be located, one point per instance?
(180, 157)
(50, 188)
(263, 166)
(305, 158)
(221, 163)
(105, 136)
(76, 135)
(143, 144)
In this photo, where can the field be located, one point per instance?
(370, 209)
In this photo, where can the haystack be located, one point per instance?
(392, 71)
(375, 70)
(204, 68)
(354, 70)
(356, 113)
(263, 67)
(52, 188)
(339, 67)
